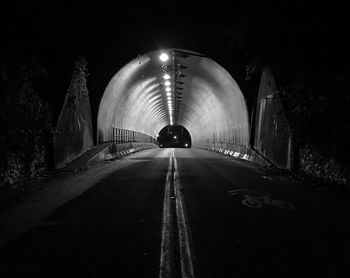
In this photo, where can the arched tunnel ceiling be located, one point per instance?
(204, 98)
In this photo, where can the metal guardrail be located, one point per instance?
(127, 136)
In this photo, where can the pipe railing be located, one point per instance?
(121, 136)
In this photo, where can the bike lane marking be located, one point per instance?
(259, 198)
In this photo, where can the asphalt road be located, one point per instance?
(239, 223)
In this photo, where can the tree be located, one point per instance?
(25, 121)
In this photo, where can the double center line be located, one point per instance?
(176, 258)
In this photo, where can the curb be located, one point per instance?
(251, 156)
(119, 150)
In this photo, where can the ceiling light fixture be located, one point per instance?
(164, 57)
(166, 76)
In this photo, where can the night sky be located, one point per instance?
(111, 33)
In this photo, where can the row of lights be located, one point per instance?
(167, 83)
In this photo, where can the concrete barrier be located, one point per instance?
(239, 152)
(118, 150)
(102, 152)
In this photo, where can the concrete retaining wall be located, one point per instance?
(272, 132)
(74, 133)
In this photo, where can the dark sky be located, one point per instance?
(139, 25)
(111, 33)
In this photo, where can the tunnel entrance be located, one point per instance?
(174, 136)
(175, 87)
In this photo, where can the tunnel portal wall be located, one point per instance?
(272, 131)
(74, 132)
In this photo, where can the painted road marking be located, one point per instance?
(256, 199)
(166, 251)
(183, 229)
(167, 256)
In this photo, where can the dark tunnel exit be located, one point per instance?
(174, 136)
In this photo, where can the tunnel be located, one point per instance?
(174, 136)
(175, 87)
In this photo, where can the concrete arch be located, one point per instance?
(210, 103)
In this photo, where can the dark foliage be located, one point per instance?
(306, 47)
(25, 123)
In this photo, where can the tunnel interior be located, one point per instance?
(187, 89)
(174, 136)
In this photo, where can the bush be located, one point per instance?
(26, 126)
(319, 166)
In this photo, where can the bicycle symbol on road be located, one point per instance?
(256, 199)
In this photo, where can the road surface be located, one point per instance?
(187, 213)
